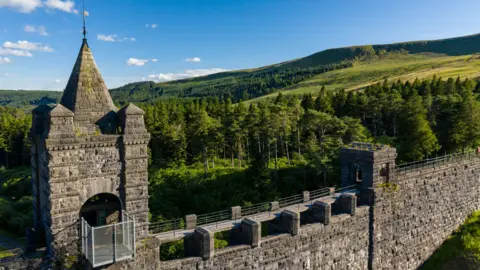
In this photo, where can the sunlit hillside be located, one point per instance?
(399, 67)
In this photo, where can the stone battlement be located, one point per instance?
(396, 220)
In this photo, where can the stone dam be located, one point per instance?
(90, 188)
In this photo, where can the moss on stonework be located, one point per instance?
(5, 253)
(78, 133)
(390, 187)
(70, 261)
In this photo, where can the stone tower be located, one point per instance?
(367, 165)
(89, 160)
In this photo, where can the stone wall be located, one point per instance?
(430, 204)
(408, 217)
(343, 244)
(20, 263)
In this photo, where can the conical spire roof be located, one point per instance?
(86, 94)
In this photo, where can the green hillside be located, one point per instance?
(349, 67)
(28, 99)
(394, 67)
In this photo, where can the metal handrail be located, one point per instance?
(166, 226)
(319, 193)
(402, 168)
(251, 210)
(255, 209)
(214, 217)
(295, 199)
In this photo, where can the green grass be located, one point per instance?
(397, 67)
(5, 253)
(460, 248)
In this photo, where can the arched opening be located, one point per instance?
(102, 209)
(358, 175)
(384, 172)
(108, 232)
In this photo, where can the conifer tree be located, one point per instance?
(417, 139)
(465, 132)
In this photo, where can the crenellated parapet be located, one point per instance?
(306, 236)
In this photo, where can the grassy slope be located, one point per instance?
(461, 251)
(398, 67)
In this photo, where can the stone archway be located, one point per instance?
(102, 209)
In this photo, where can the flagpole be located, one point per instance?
(83, 15)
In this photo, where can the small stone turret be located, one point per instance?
(134, 149)
(60, 123)
(131, 120)
(365, 164)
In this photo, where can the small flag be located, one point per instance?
(85, 13)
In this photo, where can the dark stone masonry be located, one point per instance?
(89, 163)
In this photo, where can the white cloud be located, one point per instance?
(66, 5)
(193, 59)
(108, 38)
(154, 60)
(28, 46)
(163, 77)
(114, 38)
(136, 62)
(7, 74)
(58, 80)
(7, 51)
(153, 25)
(5, 60)
(29, 28)
(24, 6)
(41, 30)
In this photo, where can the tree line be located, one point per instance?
(421, 118)
(234, 86)
(217, 153)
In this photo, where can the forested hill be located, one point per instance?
(452, 47)
(28, 98)
(248, 84)
(349, 68)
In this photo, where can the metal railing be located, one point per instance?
(173, 226)
(437, 161)
(166, 226)
(288, 201)
(319, 193)
(214, 217)
(255, 209)
(110, 243)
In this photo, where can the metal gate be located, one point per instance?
(109, 244)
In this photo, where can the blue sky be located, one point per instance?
(163, 40)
